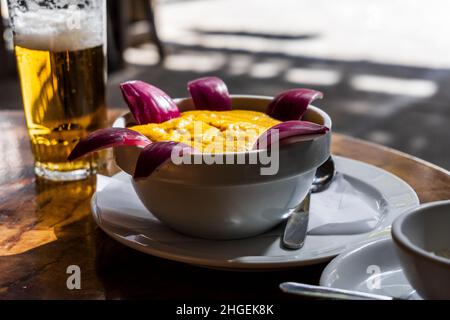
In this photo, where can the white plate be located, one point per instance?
(372, 268)
(378, 190)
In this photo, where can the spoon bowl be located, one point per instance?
(324, 176)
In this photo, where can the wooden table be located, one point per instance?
(54, 219)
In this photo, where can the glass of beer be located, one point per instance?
(60, 48)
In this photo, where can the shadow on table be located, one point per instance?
(263, 35)
(128, 274)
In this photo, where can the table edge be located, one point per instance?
(395, 151)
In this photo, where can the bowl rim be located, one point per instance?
(403, 240)
(327, 121)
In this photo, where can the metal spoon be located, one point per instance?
(324, 176)
(307, 290)
(297, 225)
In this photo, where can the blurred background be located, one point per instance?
(384, 65)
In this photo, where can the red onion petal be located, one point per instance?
(210, 93)
(147, 103)
(290, 129)
(156, 154)
(292, 104)
(105, 138)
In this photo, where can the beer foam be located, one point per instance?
(59, 29)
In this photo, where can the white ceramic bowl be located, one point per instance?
(418, 235)
(229, 201)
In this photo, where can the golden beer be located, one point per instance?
(64, 99)
(60, 52)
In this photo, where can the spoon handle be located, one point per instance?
(307, 290)
(297, 226)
